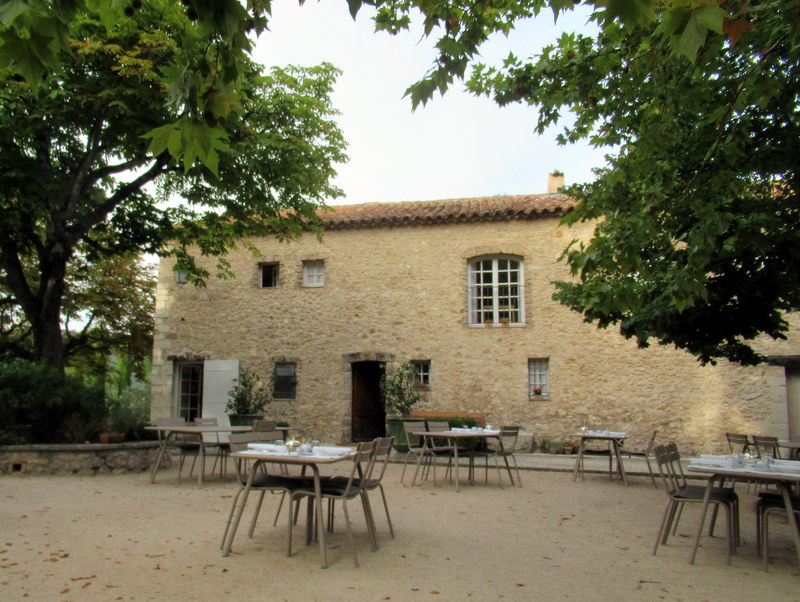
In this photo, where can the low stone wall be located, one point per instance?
(83, 459)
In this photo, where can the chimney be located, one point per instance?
(555, 181)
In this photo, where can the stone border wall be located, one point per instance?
(82, 459)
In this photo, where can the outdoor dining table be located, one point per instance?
(723, 467)
(454, 435)
(276, 454)
(613, 438)
(173, 430)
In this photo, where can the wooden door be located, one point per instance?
(368, 417)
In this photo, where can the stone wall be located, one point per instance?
(91, 458)
(399, 293)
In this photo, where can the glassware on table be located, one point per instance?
(292, 445)
(314, 443)
(751, 458)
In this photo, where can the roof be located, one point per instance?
(478, 209)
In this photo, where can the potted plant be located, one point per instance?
(400, 394)
(247, 400)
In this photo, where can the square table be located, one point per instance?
(276, 454)
(718, 468)
(172, 430)
(613, 438)
(454, 436)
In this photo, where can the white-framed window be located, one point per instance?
(495, 290)
(422, 372)
(314, 273)
(539, 377)
(270, 275)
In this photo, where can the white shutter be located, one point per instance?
(218, 379)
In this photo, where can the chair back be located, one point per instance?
(666, 469)
(264, 425)
(508, 438)
(767, 445)
(264, 436)
(737, 442)
(362, 466)
(238, 443)
(169, 421)
(380, 460)
(208, 437)
(411, 430)
(437, 426)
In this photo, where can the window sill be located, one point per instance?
(539, 398)
(498, 325)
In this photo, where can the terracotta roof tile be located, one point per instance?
(479, 209)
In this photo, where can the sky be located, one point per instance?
(457, 146)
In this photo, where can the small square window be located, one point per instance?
(422, 370)
(538, 377)
(269, 275)
(314, 273)
(284, 382)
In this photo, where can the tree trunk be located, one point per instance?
(48, 343)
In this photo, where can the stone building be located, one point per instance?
(462, 288)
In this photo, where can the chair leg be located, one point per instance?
(664, 528)
(350, 532)
(230, 517)
(650, 472)
(278, 511)
(386, 508)
(255, 514)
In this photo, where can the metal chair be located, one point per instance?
(643, 454)
(506, 449)
(738, 443)
(264, 425)
(411, 430)
(344, 490)
(766, 445)
(679, 494)
(262, 482)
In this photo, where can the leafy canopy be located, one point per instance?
(695, 242)
(135, 111)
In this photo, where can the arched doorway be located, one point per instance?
(368, 415)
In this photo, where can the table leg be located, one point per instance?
(226, 547)
(578, 461)
(455, 459)
(160, 456)
(699, 531)
(620, 466)
(202, 452)
(323, 550)
(787, 502)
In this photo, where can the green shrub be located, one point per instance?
(38, 404)
(129, 412)
(465, 422)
